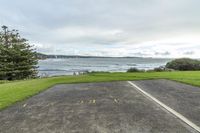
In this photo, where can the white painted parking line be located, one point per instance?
(178, 115)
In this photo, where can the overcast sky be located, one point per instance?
(147, 28)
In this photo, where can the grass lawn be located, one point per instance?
(12, 92)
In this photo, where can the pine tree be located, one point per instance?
(18, 59)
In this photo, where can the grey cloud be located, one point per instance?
(162, 53)
(189, 53)
(140, 54)
(140, 21)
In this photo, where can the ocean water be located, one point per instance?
(54, 67)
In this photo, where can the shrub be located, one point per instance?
(133, 69)
(159, 69)
(184, 64)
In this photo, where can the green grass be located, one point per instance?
(12, 92)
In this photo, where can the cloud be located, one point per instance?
(107, 27)
(189, 53)
(162, 54)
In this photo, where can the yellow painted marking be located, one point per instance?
(116, 100)
(24, 105)
(90, 101)
(52, 104)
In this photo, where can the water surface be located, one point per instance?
(67, 66)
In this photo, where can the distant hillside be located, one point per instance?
(44, 56)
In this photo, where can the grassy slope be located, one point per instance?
(12, 92)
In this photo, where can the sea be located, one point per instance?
(70, 66)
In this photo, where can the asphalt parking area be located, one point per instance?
(115, 107)
(183, 98)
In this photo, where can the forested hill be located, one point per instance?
(45, 56)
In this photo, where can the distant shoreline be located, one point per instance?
(45, 56)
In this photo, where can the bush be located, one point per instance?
(133, 69)
(184, 64)
(159, 69)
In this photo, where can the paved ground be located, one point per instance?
(185, 99)
(114, 107)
